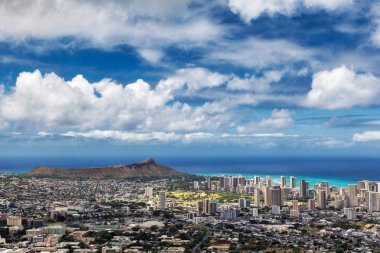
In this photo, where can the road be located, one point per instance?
(205, 238)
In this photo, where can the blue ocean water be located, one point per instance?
(337, 170)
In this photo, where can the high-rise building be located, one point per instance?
(214, 206)
(14, 221)
(208, 183)
(283, 182)
(268, 182)
(241, 180)
(257, 197)
(228, 214)
(255, 212)
(361, 185)
(373, 186)
(294, 213)
(350, 213)
(372, 201)
(227, 183)
(267, 195)
(148, 192)
(161, 200)
(256, 180)
(295, 204)
(276, 210)
(196, 185)
(276, 197)
(311, 204)
(304, 186)
(235, 182)
(200, 207)
(221, 181)
(206, 206)
(322, 198)
(352, 190)
(242, 203)
(293, 184)
(326, 186)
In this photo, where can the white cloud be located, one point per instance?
(151, 55)
(372, 123)
(253, 83)
(259, 53)
(375, 13)
(49, 102)
(125, 136)
(274, 135)
(140, 136)
(252, 9)
(328, 5)
(44, 133)
(249, 10)
(149, 25)
(343, 88)
(279, 119)
(367, 136)
(193, 78)
(334, 143)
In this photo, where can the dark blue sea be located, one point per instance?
(337, 170)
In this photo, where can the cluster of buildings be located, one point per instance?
(364, 195)
(219, 214)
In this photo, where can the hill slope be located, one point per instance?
(145, 168)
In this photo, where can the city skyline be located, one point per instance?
(278, 77)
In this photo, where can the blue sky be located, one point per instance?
(168, 77)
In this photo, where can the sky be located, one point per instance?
(189, 77)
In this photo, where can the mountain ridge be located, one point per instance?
(144, 168)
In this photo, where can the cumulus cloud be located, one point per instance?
(50, 102)
(149, 25)
(279, 119)
(343, 88)
(252, 9)
(367, 136)
(193, 78)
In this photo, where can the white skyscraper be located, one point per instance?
(350, 213)
(148, 192)
(255, 212)
(373, 201)
(257, 197)
(268, 182)
(283, 182)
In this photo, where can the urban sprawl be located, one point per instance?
(189, 214)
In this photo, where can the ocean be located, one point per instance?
(338, 171)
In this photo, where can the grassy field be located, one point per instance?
(191, 196)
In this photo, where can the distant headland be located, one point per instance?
(145, 168)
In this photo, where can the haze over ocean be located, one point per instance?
(337, 170)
